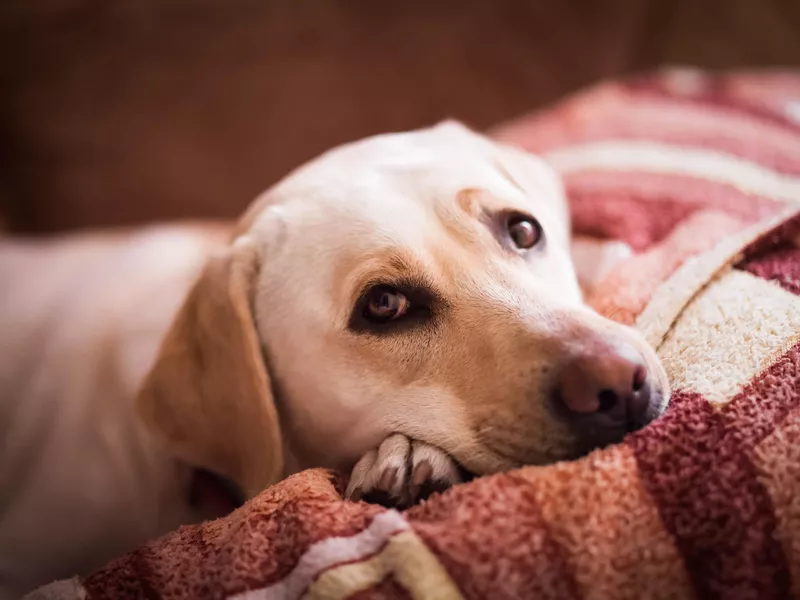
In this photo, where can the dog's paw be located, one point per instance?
(401, 472)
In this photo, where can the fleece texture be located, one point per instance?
(700, 176)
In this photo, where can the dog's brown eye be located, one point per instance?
(385, 304)
(525, 232)
(391, 309)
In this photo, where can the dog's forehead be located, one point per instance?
(418, 165)
(389, 181)
(435, 146)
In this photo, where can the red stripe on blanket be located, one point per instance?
(643, 208)
(685, 123)
(740, 93)
(763, 404)
(781, 266)
(770, 90)
(649, 111)
(256, 546)
(149, 573)
(300, 524)
(710, 499)
(491, 538)
(624, 217)
(776, 238)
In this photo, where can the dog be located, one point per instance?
(404, 308)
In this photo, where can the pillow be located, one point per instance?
(700, 176)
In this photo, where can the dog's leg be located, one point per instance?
(401, 472)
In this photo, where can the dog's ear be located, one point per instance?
(208, 394)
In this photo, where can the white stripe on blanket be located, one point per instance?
(655, 157)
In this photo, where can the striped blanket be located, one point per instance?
(700, 176)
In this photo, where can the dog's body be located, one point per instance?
(82, 318)
(371, 312)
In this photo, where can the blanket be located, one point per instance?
(700, 176)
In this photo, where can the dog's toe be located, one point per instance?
(391, 466)
(360, 478)
(431, 471)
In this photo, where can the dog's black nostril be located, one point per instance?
(639, 378)
(608, 400)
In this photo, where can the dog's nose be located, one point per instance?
(612, 382)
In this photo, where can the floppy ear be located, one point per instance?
(208, 395)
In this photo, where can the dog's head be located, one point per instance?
(418, 283)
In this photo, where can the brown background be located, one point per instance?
(123, 111)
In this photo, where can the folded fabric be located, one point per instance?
(700, 176)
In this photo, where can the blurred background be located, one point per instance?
(128, 111)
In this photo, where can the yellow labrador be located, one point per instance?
(404, 307)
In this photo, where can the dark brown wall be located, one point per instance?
(121, 111)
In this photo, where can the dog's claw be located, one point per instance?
(387, 480)
(401, 472)
(421, 473)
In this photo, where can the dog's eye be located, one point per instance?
(524, 231)
(385, 304)
(391, 309)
